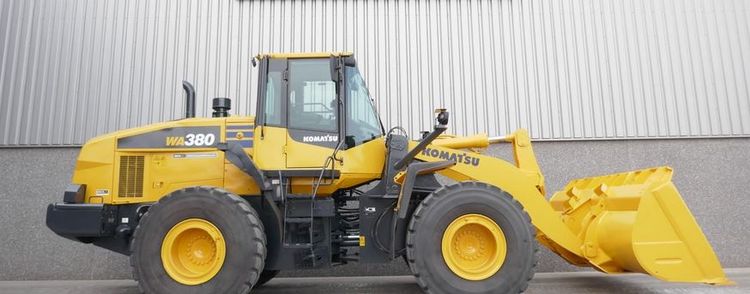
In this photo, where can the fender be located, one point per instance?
(237, 156)
(408, 179)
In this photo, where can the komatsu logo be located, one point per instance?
(324, 138)
(462, 158)
(191, 140)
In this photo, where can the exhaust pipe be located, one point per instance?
(190, 99)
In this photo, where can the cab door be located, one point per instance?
(312, 113)
(269, 137)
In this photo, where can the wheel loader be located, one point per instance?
(313, 180)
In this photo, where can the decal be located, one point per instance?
(240, 127)
(243, 143)
(242, 135)
(239, 135)
(461, 158)
(318, 138)
(194, 155)
(178, 137)
(191, 140)
(175, 141)
(323, 138)
(101, 192)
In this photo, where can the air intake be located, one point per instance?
(131, 176)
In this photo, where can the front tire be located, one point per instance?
(266, 276)
(471, 237)
(198, 240)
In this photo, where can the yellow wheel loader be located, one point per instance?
(313, 180)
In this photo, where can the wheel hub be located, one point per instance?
(193, 251)
(474, 247)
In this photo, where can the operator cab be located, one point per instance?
(318, 99)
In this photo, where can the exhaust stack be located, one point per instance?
(190, 99)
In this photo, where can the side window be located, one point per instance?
(272, 107)
(312, 95)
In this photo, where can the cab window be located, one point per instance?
(362, 124)
(272, 106)
(312, 95)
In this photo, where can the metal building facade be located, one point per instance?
(564, 69)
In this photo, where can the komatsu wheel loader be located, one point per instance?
(313, 180)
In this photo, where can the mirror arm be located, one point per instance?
(440, 127)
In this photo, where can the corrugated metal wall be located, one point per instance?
(565, 69)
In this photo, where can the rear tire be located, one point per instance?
(241, 238)
(432, 221)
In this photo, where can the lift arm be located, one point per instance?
(523, 181)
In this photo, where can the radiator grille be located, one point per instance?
(131, 176)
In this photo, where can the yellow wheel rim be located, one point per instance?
(193, 251)
(474, 247)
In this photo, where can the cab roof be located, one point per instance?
(294, 55)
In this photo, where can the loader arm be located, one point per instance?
(627, 222)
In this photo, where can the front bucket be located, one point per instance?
(638, 222)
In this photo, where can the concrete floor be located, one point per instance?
(552, 283)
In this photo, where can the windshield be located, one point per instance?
(362, 124)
